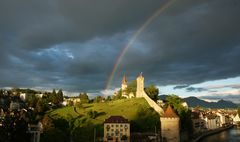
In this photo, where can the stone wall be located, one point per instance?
(153, 104)
(170, 129)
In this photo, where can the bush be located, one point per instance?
(92, 114)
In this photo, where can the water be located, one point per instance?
(230, 135)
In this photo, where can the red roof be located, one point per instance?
(116, 119)
(169, 112)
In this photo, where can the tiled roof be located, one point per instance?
(211, 116)
(116, 119)
(169, 112)
(195, 115)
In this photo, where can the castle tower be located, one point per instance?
(124, 86)
(140, 86)
(170, 126)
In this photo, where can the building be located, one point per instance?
(140, 86)
(212, 121)
(223, 120)
(116, 129)
(14, 106)
(23, 96)
(236, 119)
(124, 89)
(35, 132)
(71, 101)
(170, 126)
(199, 124)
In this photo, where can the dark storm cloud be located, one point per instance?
(180, 86)
(74, 44)
(196, 89)
(45, 23)
(198, 43)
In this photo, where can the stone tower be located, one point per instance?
(140, 86)
(124, 86)
(170, 126)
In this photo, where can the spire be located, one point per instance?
(124, 80)
(170, 112)
(141, 74)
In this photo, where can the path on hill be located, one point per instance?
(75, 110)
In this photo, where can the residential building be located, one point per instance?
(236, 119)
(199, 124)
(212, 121)
(116, 129)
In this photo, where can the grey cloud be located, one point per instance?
(180, 87)
(197, 44)
(233, 98)
(189, 43)
(194, 89)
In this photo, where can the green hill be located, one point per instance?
(80, 122)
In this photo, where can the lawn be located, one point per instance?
(125, 107)
(141, 117)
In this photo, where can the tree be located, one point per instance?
(31, 100)
(41, 106)
(54, 135)
(47, 123)
(98, 99)
(108, 98)
(53, 97)
(132, 87)
(84, 97)
(60, 96)
(92, 114)
(152, 91)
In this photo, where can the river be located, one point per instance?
(230, 135)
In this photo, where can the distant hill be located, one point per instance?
(194, 101)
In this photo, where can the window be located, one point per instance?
(121, 125)
(116, 125)
(108, 127)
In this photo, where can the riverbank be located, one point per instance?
(211, 132)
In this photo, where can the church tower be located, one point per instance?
(140, 86)
(124, 86)
(170, 126)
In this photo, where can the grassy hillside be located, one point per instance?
(137, 111)
(125, 107)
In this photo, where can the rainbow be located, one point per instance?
(134, 37)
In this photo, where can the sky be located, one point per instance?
(190, 48)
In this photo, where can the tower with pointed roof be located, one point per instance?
(140, 86)
(170, 126)
(124, 86)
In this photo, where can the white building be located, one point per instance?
(23, 96)
(236, 119)
(222, 117)
(116, 129)
(212, 121)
